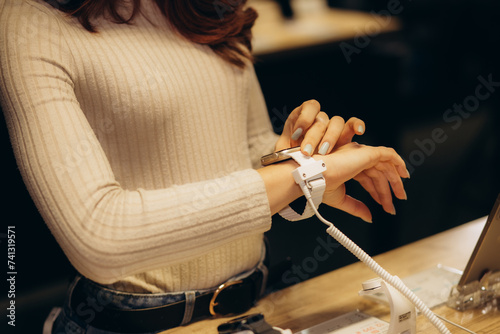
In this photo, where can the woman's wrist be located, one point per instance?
(280, 186)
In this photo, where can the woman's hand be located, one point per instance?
(377, 169)
(312, 129)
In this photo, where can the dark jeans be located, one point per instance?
(75, 320)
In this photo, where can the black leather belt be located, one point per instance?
(228, 299)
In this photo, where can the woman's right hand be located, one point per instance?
(311, 129)
(377, 169)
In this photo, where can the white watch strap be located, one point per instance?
(310, 174)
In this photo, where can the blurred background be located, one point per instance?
(412, 75)
(424, 77)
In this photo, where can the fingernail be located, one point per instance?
(308, 149)
(324, 148)
(361, 129)
(406, 196)
(408, 173)
(393, 211)
(297, 134)
(367, 220)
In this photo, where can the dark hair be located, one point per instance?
(224, 25)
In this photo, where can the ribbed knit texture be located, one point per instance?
(137, 146)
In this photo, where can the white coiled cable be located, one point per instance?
(373, 265)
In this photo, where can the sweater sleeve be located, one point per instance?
(261, 136)
(107, 232)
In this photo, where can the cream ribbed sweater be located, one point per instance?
(137, 146)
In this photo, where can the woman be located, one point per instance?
(138, 127)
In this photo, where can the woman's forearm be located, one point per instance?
(280, 186)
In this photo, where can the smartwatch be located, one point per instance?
(309, 176)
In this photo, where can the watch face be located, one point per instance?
(278, 156)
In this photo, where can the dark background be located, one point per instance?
(401, 85)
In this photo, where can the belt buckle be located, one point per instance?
(221, 287)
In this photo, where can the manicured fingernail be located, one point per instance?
(308, 149)
(367, 220)
(297, 134)
(406, 196)
(361, 129)
(408, 173)
(324, 148)
(393, 210)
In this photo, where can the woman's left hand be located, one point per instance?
(377, 169)
(314, 131)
